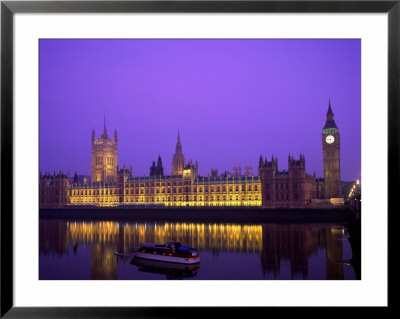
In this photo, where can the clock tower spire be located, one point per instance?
(331, 156)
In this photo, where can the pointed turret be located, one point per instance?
(178, 148)
(76, 181)
(93, 135)
(330, 118)
(160, 169)
(261, 162)
(178, 160)
(115, 135)
(153, 169)
(329, 113)
(105, 134)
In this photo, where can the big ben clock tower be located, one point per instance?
(331, 156)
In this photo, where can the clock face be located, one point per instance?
(329, 139)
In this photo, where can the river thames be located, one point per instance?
(85, 250)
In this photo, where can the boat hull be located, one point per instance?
(171, 259)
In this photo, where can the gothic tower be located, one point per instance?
(267, 171)
(178, 161)
(331, 156)
(297, 178)
(104, 162)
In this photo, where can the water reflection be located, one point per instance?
(276, 246)
(171, 270)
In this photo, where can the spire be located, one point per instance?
(178, 148)
(159, 169)
(159, 162)
(105, 134)
(178, 160)
(76, 181)
(93, 135)
(330, 118)
(329, 114)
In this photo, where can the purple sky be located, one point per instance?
(231, 100)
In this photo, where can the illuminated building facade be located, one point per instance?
(184, 187)
(192, 190)
(99, 194)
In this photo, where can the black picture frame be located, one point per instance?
(9, 8)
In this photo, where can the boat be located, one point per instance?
(172, 251)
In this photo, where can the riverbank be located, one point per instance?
(204, 214)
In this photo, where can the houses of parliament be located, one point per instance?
(271, 188)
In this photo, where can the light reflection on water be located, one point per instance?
(85, 250)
